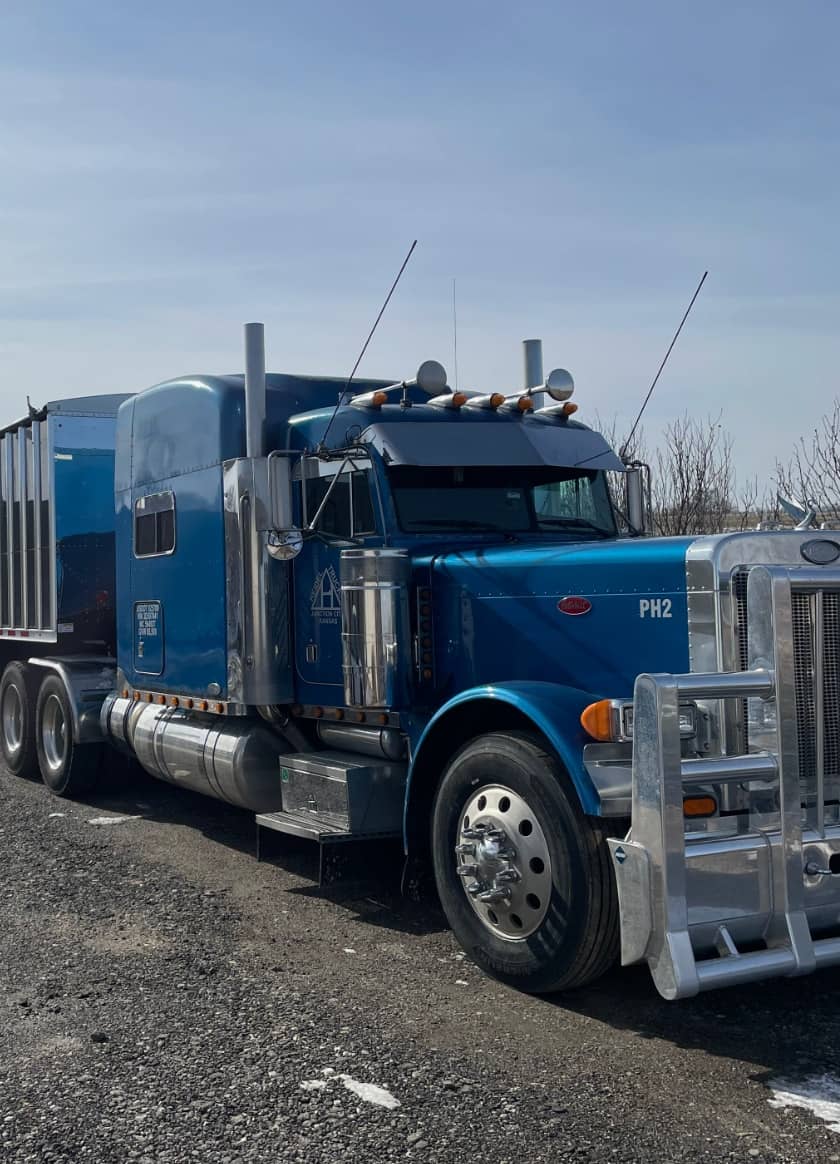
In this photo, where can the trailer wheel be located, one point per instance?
(524, 877)
(67, 768)
(18, 692)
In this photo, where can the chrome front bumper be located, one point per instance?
(691, 903)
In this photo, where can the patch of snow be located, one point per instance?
(370, 1093)
(347, 950)
(109, 820)
(461, 982)
(819, 1094)
(313, 1084)
(328, 1070)
(58, 814)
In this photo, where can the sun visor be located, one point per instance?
(492, 442)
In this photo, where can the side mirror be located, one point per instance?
(431, 378)
(559, 384)
(284, 540)
(635, 498)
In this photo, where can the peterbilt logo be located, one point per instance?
(820, 552)
(574, 604)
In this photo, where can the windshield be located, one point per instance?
(519, 499)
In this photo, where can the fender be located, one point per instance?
(552, 708)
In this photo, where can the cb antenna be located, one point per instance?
(346, 387)
(455, 332)
(626, 444)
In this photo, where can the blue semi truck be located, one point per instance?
(390, 609)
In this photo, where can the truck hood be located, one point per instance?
(500, 613)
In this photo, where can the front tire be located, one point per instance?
(18, 693)
(68, 769)
(529, 893)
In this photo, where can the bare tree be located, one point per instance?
(694, 488)
(693, 478)
(812, 475)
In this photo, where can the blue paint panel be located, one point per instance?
(497, 616)
(189, 584)
(148, 638)
(80, 452)
(554, 710)
(184, 425)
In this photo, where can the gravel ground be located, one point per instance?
(166, 998)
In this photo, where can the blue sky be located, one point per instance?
(168, 171)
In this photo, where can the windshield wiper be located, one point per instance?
(574, 523)
(456, 523)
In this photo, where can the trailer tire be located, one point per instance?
(18, 694)
(558, 928)
(67, 768)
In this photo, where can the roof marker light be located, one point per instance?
(454, 400)
(558, 411)
(494, 400)
(517, 403)
(371, 399)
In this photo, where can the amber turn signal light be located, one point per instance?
(696, 807)
(569, 409)
(598, 720)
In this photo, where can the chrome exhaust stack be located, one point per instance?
(254, 390)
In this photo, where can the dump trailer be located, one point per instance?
(387, 609)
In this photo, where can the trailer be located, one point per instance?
(394, 610)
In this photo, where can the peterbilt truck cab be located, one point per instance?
(390, 609)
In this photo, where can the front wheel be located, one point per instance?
(67, 768)
(523, 876)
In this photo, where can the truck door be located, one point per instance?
(349, 517)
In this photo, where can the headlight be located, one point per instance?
(688, 720)
(611, 720)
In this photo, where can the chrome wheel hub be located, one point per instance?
(54, 734)
(503, 862)
(12, 719)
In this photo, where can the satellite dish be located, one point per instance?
(559, 384)
(431, 377)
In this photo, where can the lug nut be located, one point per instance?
(467, 870)
(508, 876)
(493, 896)
(467, 850)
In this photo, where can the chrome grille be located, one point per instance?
(816, 661)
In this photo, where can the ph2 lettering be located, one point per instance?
(654, 608)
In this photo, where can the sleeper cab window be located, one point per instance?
(348, 512)
(154, 525)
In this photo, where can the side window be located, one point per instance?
(154, 525)
(348, 512)
(335, 516)
(364, 521)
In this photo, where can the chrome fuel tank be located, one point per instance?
(235, 761)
